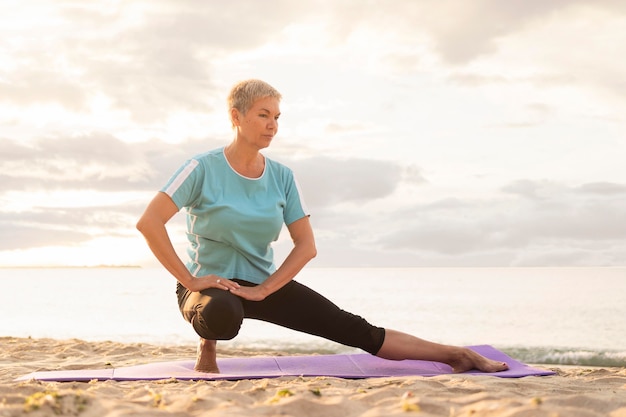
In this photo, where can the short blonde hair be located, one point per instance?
(243, 94)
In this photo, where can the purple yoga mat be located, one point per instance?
(342, 366)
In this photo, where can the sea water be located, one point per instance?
(539, 315)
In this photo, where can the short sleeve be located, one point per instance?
(295, 207)
(185, 186)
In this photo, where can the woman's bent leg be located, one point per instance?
(206, 358)
(215, 314)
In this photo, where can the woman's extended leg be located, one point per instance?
(300, 308)
(398, 346)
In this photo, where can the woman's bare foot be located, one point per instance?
(207, 357)
(464, 359)
(398, 346)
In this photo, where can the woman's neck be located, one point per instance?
(246, 161)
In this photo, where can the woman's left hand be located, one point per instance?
(255, 293)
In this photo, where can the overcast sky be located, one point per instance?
(423, 132)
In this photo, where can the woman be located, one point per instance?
(237, 201)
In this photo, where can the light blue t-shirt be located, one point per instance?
(232, 220)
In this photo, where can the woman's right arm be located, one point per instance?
(151, 224)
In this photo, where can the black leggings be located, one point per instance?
(217, 315)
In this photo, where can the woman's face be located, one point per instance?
(259, 125)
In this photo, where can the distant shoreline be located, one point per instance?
(67, 266)
(328, 267)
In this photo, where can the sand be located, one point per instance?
(574, 391)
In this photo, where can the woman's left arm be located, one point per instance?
(303, 251)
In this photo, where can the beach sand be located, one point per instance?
(574, 391)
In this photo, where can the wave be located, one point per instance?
(568, 356)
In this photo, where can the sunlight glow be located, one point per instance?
(19, 201)
(98, 252)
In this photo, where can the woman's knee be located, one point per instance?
(215, 314)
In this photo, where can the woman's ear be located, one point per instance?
(234, 116)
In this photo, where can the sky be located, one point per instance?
(424, 133)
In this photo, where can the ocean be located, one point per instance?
(567, 316)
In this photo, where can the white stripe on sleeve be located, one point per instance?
(181, 177)
(301, 197)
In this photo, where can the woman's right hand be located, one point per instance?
(211, 281)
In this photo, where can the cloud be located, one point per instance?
(64, 225)
(89, 161)
(466, 78)
(541, 217)
(149, 60)
(108, 168)
(459, 31)
(20, 236)
(463, 31)
(567, 47)
(329, 181)
(43, 86)
(355, 204)
(602, 188)
(66, 217)
(103, 162)
(96, 161)
(154, 58)
(107, 72)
